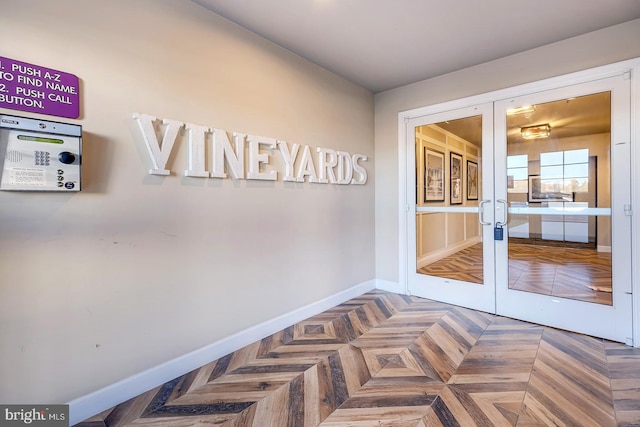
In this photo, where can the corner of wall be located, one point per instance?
(389, 286)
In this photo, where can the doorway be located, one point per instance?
(520, 207)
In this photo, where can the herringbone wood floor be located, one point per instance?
(580, 274)
(389, 360)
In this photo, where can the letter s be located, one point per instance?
(359, 170)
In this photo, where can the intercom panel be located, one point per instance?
(39, 155)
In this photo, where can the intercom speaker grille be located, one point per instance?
(14, 156)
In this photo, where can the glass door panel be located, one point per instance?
(561, 153)
(558, 249)
(452, 249)
(450, 246)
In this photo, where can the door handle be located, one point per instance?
(481, 212)
(504, 217)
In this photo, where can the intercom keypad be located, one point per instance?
(42, 158)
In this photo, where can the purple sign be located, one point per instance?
(28, 87)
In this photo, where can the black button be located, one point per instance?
(67, 157)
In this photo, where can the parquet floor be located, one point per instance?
(383, 359)
(581, 274)
(465, 265)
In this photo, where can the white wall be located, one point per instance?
(598, 48)
(136, 270)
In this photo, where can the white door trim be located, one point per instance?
(635, 200)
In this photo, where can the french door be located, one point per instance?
(522, 207)
(451, 258)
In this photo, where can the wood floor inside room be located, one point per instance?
(383, 359)
(566, 272)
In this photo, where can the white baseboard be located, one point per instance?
(389, 286)
(91, 404)
(445, 252)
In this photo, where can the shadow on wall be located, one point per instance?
(96, 163)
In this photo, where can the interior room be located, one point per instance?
(319, 213)
(566, 165)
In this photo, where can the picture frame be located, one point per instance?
(433, 176)
(455, 178)
(472, 180)
(536, 195)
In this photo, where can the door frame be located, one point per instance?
(630, 67)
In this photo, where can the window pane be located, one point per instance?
(553, 158)
(578, 185)
(518, 173)
(551, 185)
(548, 172)
(517, 161)
(580, 170)
(576, 156)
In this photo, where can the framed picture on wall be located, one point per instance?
(472, 180)
(455, 173)
(433, 176)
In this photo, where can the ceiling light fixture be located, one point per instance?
(535, 132)
(521, 110)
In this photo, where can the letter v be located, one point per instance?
(158, 155)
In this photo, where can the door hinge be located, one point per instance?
(627, 210)
(408, 208)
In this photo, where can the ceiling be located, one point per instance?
(584, 115)
(384, 44)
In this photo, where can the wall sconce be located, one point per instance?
(535, 132)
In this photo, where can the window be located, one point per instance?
(517, 173)
(564, 171)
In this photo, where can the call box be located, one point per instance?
(39, 155)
